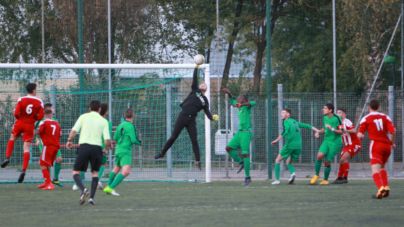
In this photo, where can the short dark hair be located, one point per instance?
(342, 109)
(48, 111)
(104, 108)
(374, 104)
(47, 105)
(330, 106)
(95, 105)
(287, 110)
(30, 87)
(129, 113)
(245, 97)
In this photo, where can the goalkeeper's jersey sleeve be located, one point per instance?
(125, 136)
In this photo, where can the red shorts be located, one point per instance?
(379, 152)
(26, 129)
(48, 155)
(351, 149)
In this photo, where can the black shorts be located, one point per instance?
(88, 153)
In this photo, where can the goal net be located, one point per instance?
(154, 91)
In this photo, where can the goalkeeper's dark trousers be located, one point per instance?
(184, 121)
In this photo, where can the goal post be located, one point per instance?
(131, 82)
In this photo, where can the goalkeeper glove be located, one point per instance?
(215, 117)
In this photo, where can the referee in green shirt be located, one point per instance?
(92, 127)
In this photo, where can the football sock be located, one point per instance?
(383, 175)
(346, 169)
(101, 172)
(247, 166)
(327, 171)
(57, 168)
(117, 181)
(291, 168)
(378, 180)
(25, 160)
(277, 170)
(94, 184)
(83, 176)
(112, 176)
(79, 181)
(10, 148)
(318, 167)
(234, 155)
(46, 176)
(341, 171)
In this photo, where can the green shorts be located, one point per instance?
(123, 159)
(241, 140)
(292, 153)
(330, 150)
(104, 159)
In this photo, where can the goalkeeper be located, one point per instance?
(125, 137)
(195, 102)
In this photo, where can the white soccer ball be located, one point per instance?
(199, 59)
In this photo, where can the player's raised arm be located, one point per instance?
(225, 90)
(195, 79)
(303, 125)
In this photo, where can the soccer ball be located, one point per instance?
(199, 59)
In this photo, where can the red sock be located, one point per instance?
(346, 168)
(340, 171)
(25, 160)
(378, 180)
(10, 148)
(46, 175)
(383, 174)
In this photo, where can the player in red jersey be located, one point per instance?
(352, 146)
(378, 125)
(29, 109)
(49, 131)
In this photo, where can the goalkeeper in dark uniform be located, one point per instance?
(195, 102)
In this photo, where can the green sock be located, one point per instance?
(101, 172)
(247, 166)
(57, 168)
(277, 170)
(234, 155)
(117, 181)
(82, 176)
(327, 171)
(291, 168)
(318, 167)
(112, 176)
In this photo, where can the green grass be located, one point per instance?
(221, 203)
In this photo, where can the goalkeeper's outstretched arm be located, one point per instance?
(195, 79)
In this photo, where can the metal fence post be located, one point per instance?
(391, 115)
(312, 134)
(299, 105)
(266, 128)
(280, 123)
(227, 133)
(168, 114)
(52, 99)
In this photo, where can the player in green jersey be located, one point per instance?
(125, 136)
(58, 161)
(104, 114)
(332, 144)
(244, 135)
(293, 147)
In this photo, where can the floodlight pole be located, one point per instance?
(402, 77)
(269, 124)
(43, 31)
(217, 62)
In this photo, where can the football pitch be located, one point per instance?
(220, 203)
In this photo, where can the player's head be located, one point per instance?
(242, 99)
(129, 113)
(104, 109)
(328, 108)
(49, 106)
(341, 112)
(374, 104)
(48, 113)
(95, 105)
(31, 88)
(285, 114)
(203, 87)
